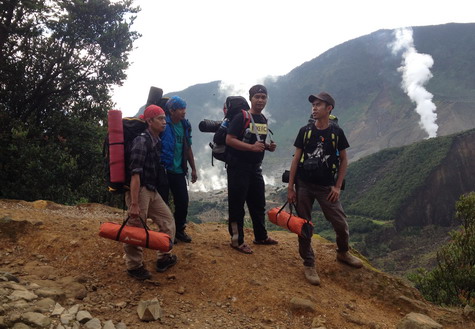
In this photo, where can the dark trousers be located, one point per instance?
(179, 190)
(307, 193)
(246, 185)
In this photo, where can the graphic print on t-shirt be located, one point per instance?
(319, 154)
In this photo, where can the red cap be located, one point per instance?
(152, 111)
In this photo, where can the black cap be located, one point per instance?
(257, 89)
(323, 96)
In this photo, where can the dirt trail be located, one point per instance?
(212, 286)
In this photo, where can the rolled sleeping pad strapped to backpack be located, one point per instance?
(116, 146)
(295, 224)
(138, 236)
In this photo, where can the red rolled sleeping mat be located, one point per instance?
(138, 236)
(295, 224)
(116, 146)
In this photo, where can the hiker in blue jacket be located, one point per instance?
(317, 173)
(176, 155)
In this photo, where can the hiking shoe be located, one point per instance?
(182, 236)
(166, 262)
(349, 259)
(311, 275)
(140, 273)
(268, 241)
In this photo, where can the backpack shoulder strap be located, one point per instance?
(246, 116)
(307, 134)
(334, 138)
(306, 139)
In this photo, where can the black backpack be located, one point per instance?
(132, 127)
(232, 106)
(334, 143)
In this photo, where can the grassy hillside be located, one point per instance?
(378, 185)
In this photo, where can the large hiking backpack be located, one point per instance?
(334, 144)
(232, 106)
(117, 144)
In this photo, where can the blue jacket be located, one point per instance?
(168, 144)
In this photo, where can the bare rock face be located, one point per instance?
(418, 321)
(434, 203)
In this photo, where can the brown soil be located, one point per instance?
(212, 286)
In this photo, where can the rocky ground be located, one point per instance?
(46, 245)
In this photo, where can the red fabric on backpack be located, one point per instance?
(116, 146)
(136, 236)
(293, 223)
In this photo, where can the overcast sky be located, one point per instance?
(186, 42)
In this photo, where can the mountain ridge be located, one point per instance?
(362, 75)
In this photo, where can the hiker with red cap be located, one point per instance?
(317, 172)
(244, 172)
(143, 199)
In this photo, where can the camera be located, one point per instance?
(209, 126)
(285, 176)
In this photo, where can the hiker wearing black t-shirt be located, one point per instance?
(317, 173)
(246, 147)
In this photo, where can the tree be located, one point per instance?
(452, 282)
(58, 61)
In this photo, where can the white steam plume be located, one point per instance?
(415, 71)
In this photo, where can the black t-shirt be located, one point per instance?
(236, 128)
(323, 148)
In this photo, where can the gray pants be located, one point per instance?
(307, 193)
(151, 206)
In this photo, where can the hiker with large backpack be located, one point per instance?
(317, 173)
(245, 152)
(176, 155)
(143, 200)
(232, 106)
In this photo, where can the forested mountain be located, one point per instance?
(415, 185)
(362, 75)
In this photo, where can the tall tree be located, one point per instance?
(58, 62)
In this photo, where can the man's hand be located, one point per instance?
(194, 176)
(291, 195)
(334, 195)
(134, 210)
(272, 146)
(258, 146)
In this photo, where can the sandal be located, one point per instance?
(244, 248)
(268, 241)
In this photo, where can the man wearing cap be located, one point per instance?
(246, 147)
(143, 199)
(176, 155)
(317, 172)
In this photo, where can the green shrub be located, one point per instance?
(452, 282)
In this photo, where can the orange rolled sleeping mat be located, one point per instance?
(287, 220)
(138, 236)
